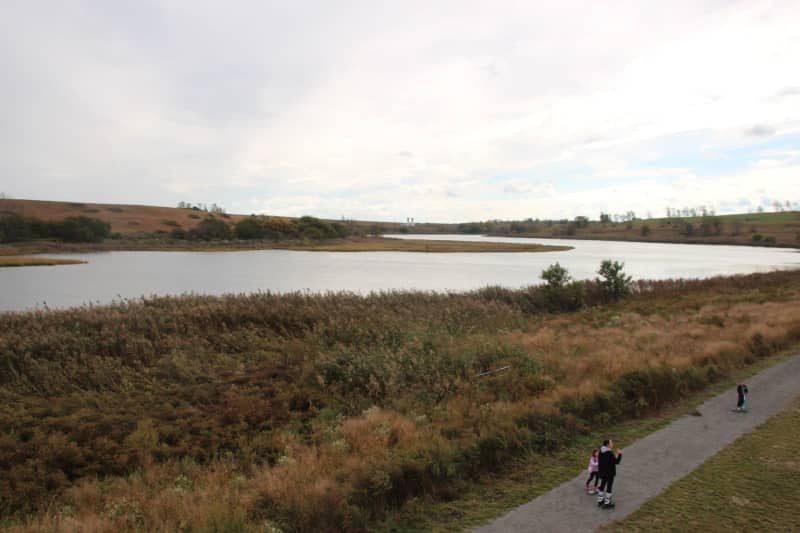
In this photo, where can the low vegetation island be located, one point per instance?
(18, 261)
(420, 245)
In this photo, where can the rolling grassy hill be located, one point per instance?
(753, 229)
(128, 220)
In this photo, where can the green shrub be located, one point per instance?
(212, 229)
(14, 228)
(80, 229)
(251, 227)
(613, 282)
(560, 292)
(314, 228)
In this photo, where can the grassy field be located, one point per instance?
(479, 501)
(124, 219)
(340, 412)
(750, 485)
(140, 220)
(17, 261)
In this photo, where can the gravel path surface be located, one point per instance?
(649, 465)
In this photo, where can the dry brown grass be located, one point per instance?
(124, 219)
(330, 475)
(410, 245)
(17, 261)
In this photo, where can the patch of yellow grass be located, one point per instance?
(20, 261)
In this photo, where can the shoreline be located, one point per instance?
(23, 261)
(657, 241)
(382, 244)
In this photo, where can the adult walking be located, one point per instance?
(607, 470)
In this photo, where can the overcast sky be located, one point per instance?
(437, 110)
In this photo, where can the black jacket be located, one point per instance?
(607, 463)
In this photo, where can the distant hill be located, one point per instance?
(125, 219)
(753, 229)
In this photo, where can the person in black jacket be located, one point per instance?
(607, 469)
(741, 398)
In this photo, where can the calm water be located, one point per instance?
(116, 275)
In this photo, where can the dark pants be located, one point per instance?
(606, 484)
(592, 476)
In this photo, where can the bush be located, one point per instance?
(250, 228)
(212, 228)
(645, 230)
(614, 283)
(471, 228)
(314, 228)
(757, 237)
(14, 228)
(560, 292)
(81, 229)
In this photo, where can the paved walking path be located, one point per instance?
(649, 465)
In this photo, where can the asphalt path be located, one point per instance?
(651, 464)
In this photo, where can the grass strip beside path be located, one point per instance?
(750, 485)
(534, 474)
(17, 261)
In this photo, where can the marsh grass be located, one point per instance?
(20, 261)
(330, 412)
(476, 502)
(432, 246)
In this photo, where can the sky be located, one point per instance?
(445, 111)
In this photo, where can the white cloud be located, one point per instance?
(382, 109)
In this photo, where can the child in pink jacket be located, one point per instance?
(593, 466)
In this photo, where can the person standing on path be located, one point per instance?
(741, 400)
(592, 469)
(607, 470)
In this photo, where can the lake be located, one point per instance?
(113, 276)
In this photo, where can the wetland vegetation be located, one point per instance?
(331, 412)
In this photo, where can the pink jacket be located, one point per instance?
(593, 464)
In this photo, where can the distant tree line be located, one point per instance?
(261, 227)
(521, 227)
(15, 228)
(216, 209)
